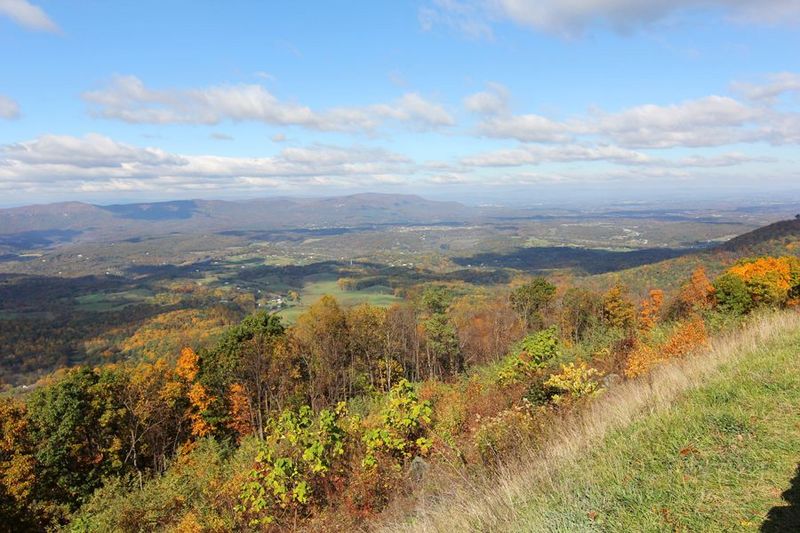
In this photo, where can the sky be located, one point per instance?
(484, 101)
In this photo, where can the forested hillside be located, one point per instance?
(351, 412)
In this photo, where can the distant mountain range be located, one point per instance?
(39, 225)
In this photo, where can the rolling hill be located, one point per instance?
(29, 226)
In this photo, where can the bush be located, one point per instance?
(732, 295)
(511, 430)
(292, 464)
(401, 434)
(532, 354)
(574, 382)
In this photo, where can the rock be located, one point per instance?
(418, 468)
(611, 380)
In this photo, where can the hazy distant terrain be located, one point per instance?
(76, 279)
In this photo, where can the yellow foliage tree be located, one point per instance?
(618, 310)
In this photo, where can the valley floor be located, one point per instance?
(710, 444)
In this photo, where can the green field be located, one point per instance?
(103, 302)
(315, 290)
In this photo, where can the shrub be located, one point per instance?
(732, 295)
(687, 336)
(401, 434)
(532, 354)
(292, 464)
(498, 437)
(574, 382)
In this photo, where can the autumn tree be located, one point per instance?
(531, 299)
(769, 280)
(487, 326)
(17, 467)
(320, 337)
(581, 311)
(246, 354)
(444, 358)
(404, 339)
(369, 345)
(154, 406)
(618, 309)
(268, 379)
(651, 310)
(697, 294)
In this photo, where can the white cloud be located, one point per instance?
(91, 151)
(96, 163)
(9, 109)
(574, 17)
(534, 154)
(27, 15)
(492, 101)
(777, 85)
(709, 121)
(128, 99)
(722, 160)
(703, 122)
(527, 128)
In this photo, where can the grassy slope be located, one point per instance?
(718, 460)
(704, 444)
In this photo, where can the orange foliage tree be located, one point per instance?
(651, 309)
(688, 336)
(769, 280)
(697, 294)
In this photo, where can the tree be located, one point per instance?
(697, 294)
(369, 346)
(581, 311)
(769, 280)
(321, 339)
(732, 295)
(266, 379)
(530, 300)
(441, 345)
(154, 407)
(436, 299)
(404, 339)
(243, 355)
(651, 309)
(618, 309)
(17, 467)
(486, 326)
(75, 423)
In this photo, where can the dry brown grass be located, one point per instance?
(453, 501)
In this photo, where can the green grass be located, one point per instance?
(312, 292)
(717, 460)
(104, 302)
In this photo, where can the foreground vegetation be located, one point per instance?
(350, 411)
(708, 443)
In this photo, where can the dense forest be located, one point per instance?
(325, 423)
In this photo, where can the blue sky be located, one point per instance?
(517, 100)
